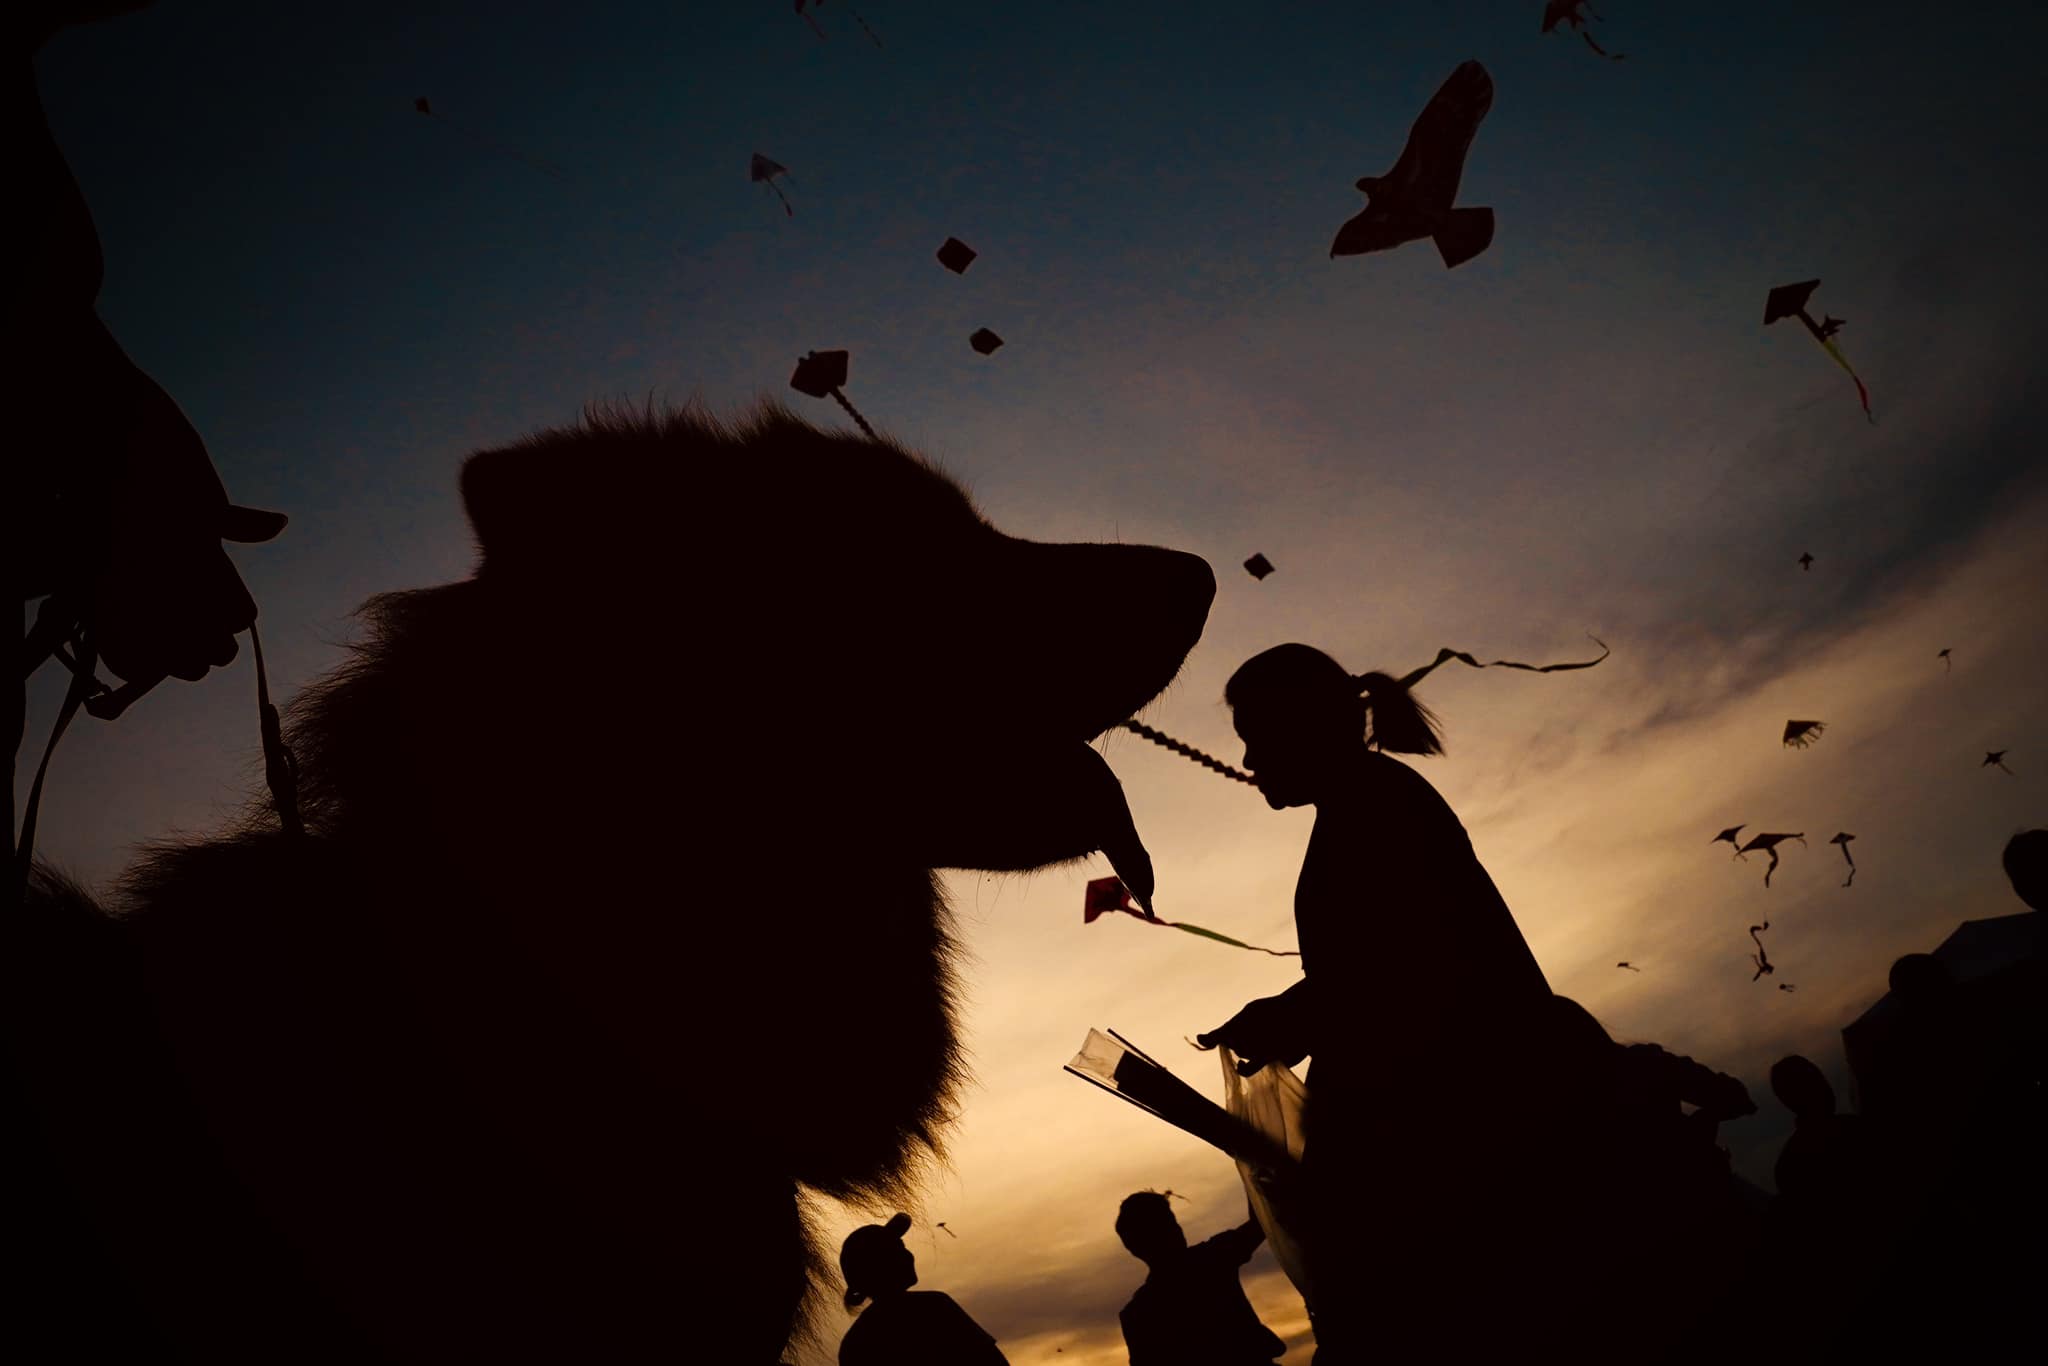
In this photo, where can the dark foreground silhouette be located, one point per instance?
(1389, 888)
(1191, 1310)
(901, 1326)
(614, 916)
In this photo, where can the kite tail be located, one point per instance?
(859, 421)
(1446, 654)
(814, 26)
(1610, 56)
(1187, 751)
(864, 26)
(1861, 393)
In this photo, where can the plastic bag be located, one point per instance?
(1271, 1101)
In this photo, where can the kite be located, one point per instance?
(820, 4)
(423, 105)
(1843, 839)
(1728, 834)
(956, 256)
(821, 373)
(1769, 845)
(1994, 758)
(949, 1232)
(1114, 1063)
(1948, 664)
(1414, 676)
(1107, 894)
(1258, 566)
(1806, 563)
(1789, 301)
(762, 171)
(984, 341)
(1567, 12)
(1800, 734)
(1415, 199)
(1630, 966)
(1786, 986)
(1762, 960)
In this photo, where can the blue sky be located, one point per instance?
(1585, 429)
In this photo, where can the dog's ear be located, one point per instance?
(522, 499)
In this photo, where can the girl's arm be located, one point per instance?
(1270, 1029)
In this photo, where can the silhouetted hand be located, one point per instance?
(1268, 1030)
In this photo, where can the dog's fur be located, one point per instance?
(615, 922)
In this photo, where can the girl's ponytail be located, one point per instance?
(1398, 723)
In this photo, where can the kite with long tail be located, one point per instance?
(1789, 301)
(1567, 12)
(1764, 966)
(1408, 680)
(1108, 894)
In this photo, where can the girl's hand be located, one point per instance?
(1268, 1030)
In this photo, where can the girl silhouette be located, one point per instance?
(1418, 999)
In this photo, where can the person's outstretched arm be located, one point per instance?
(1241, 1242)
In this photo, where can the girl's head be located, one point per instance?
(1299, 713)
(874, 1262)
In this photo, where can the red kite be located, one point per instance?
(1107, 894)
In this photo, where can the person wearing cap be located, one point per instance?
(901, 1326)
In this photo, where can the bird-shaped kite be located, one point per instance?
(1566, 12)
(1806, 562)
(1762, 960)
(423, 105)
(1948, 663)
(1415, 199)
(762, 171)
(1789, 301)
(1258, 566)
(1843, 839)
(1728, 834)
(1800, 734)
(1630, 966)
(1768, 844)
(1994, 758)
(1107, 894)
(821, 374)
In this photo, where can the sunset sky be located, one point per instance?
(1585, 430)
